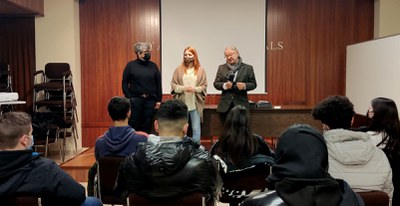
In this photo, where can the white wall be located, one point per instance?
(373, 67)
(210, 26)
(387, 17)
(373, 70)
(57, 40)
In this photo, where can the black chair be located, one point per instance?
(192, 199)
(107, 171)
(239, 184)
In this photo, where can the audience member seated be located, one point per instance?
(172, 167)
(120, 139)
(245, 157)
(300, 174)
(238, 146)
(352, 155)
(385, 133)
(24, 172)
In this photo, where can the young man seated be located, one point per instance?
(120, 139)
(174, 166)
(23, 172)
(352, 155)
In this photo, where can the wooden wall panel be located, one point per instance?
(287, 79)
(108, 31)
(309, 66)
(315, 34)
(145, 26)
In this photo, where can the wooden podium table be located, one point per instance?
(266, 122)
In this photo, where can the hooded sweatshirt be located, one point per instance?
(24, 173)
(300, 174)
(170, 168)
(354, 158)
(118, 141)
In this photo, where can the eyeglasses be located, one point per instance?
(229, 55)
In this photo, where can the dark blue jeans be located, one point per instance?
(142, 113)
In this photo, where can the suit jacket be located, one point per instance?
(237, 97)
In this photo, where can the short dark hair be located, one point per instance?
(173, 109)
(172, 114)
(118, 108)
(12, 126)
(335, 111)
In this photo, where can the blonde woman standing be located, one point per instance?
(189, 84)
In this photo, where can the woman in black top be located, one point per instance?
(141, 83)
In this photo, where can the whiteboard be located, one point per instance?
(209, 26)
(373, 70)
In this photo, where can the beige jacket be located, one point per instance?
(201, 87)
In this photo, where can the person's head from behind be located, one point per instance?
(119, 109)
(335, 112)
(231, 54)
(383, 113)
(15, 131)
(237, 139)
(238, 120)
(142, 50)
(301, 153)
(172, 118)
(385, 118)
(190, 57)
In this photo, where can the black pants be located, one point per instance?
(142, 113)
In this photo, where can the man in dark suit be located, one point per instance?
(234, 79)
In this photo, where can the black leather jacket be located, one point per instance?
(170, 168)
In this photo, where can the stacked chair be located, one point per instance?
(5, 84)
(54, 102)
(5, 78)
